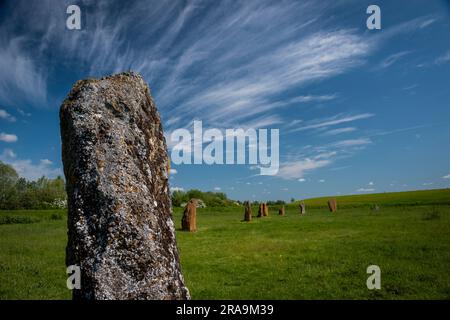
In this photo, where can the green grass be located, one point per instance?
(32, 256)
(316, 256)
(406, 198)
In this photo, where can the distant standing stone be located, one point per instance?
(120, 228)
(248, 211)
(281, 211)
(260, 210)
(302, 207)
(189, 220)
(332, 205)
(265, 210)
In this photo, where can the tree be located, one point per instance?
(8, 179)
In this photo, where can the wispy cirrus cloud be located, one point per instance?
(393, 58)
(351, 143)
(21, 79)
(335, 132)
(296, 166)
(331, 121)
(443, 59)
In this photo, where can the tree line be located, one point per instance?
(19, 193)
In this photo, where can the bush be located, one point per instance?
(211, 199)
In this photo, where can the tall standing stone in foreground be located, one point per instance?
(120, 228)
(248, 211)
(332, 205)
(189, 219)
(281, 211)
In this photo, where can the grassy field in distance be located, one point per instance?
(419, 197)
(316, 256)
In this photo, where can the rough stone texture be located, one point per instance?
(189, 219)
(281, 211)
(120, 228)
(332, 205)
(260, 210)
(302, 207)
(248, 211)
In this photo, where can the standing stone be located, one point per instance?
(189, 220)
(260, 210)
(120, 228)
(332, 205)
(281, 211)
(265, 210)
(302, 207)
(248, 211)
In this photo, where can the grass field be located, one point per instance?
(316, 256)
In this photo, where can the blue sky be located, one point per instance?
(358, 110)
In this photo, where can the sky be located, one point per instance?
(358, 110)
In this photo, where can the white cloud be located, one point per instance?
(393, 58)
(321, 181)
(173, 171)
(249, 88)
(46, 162)
(5, 137)
(365, 190)
(339, 131)
(6, 116)
(426, 23)
(302, 179)
(7, 154)
(337, 119)
(427, 183)
(444, 58)
(21, 79)
(217, 188)
(29, 170)
(370, 183)
(297, 169)
(446, 177)
(312, 98)
(176, 189)
(352, 143)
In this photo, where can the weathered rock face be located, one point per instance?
(248, 211)
(332, 205)
(302, 207)
(189, 219)
(120, 228)
(281, 211)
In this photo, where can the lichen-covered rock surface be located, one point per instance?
(120, 228)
